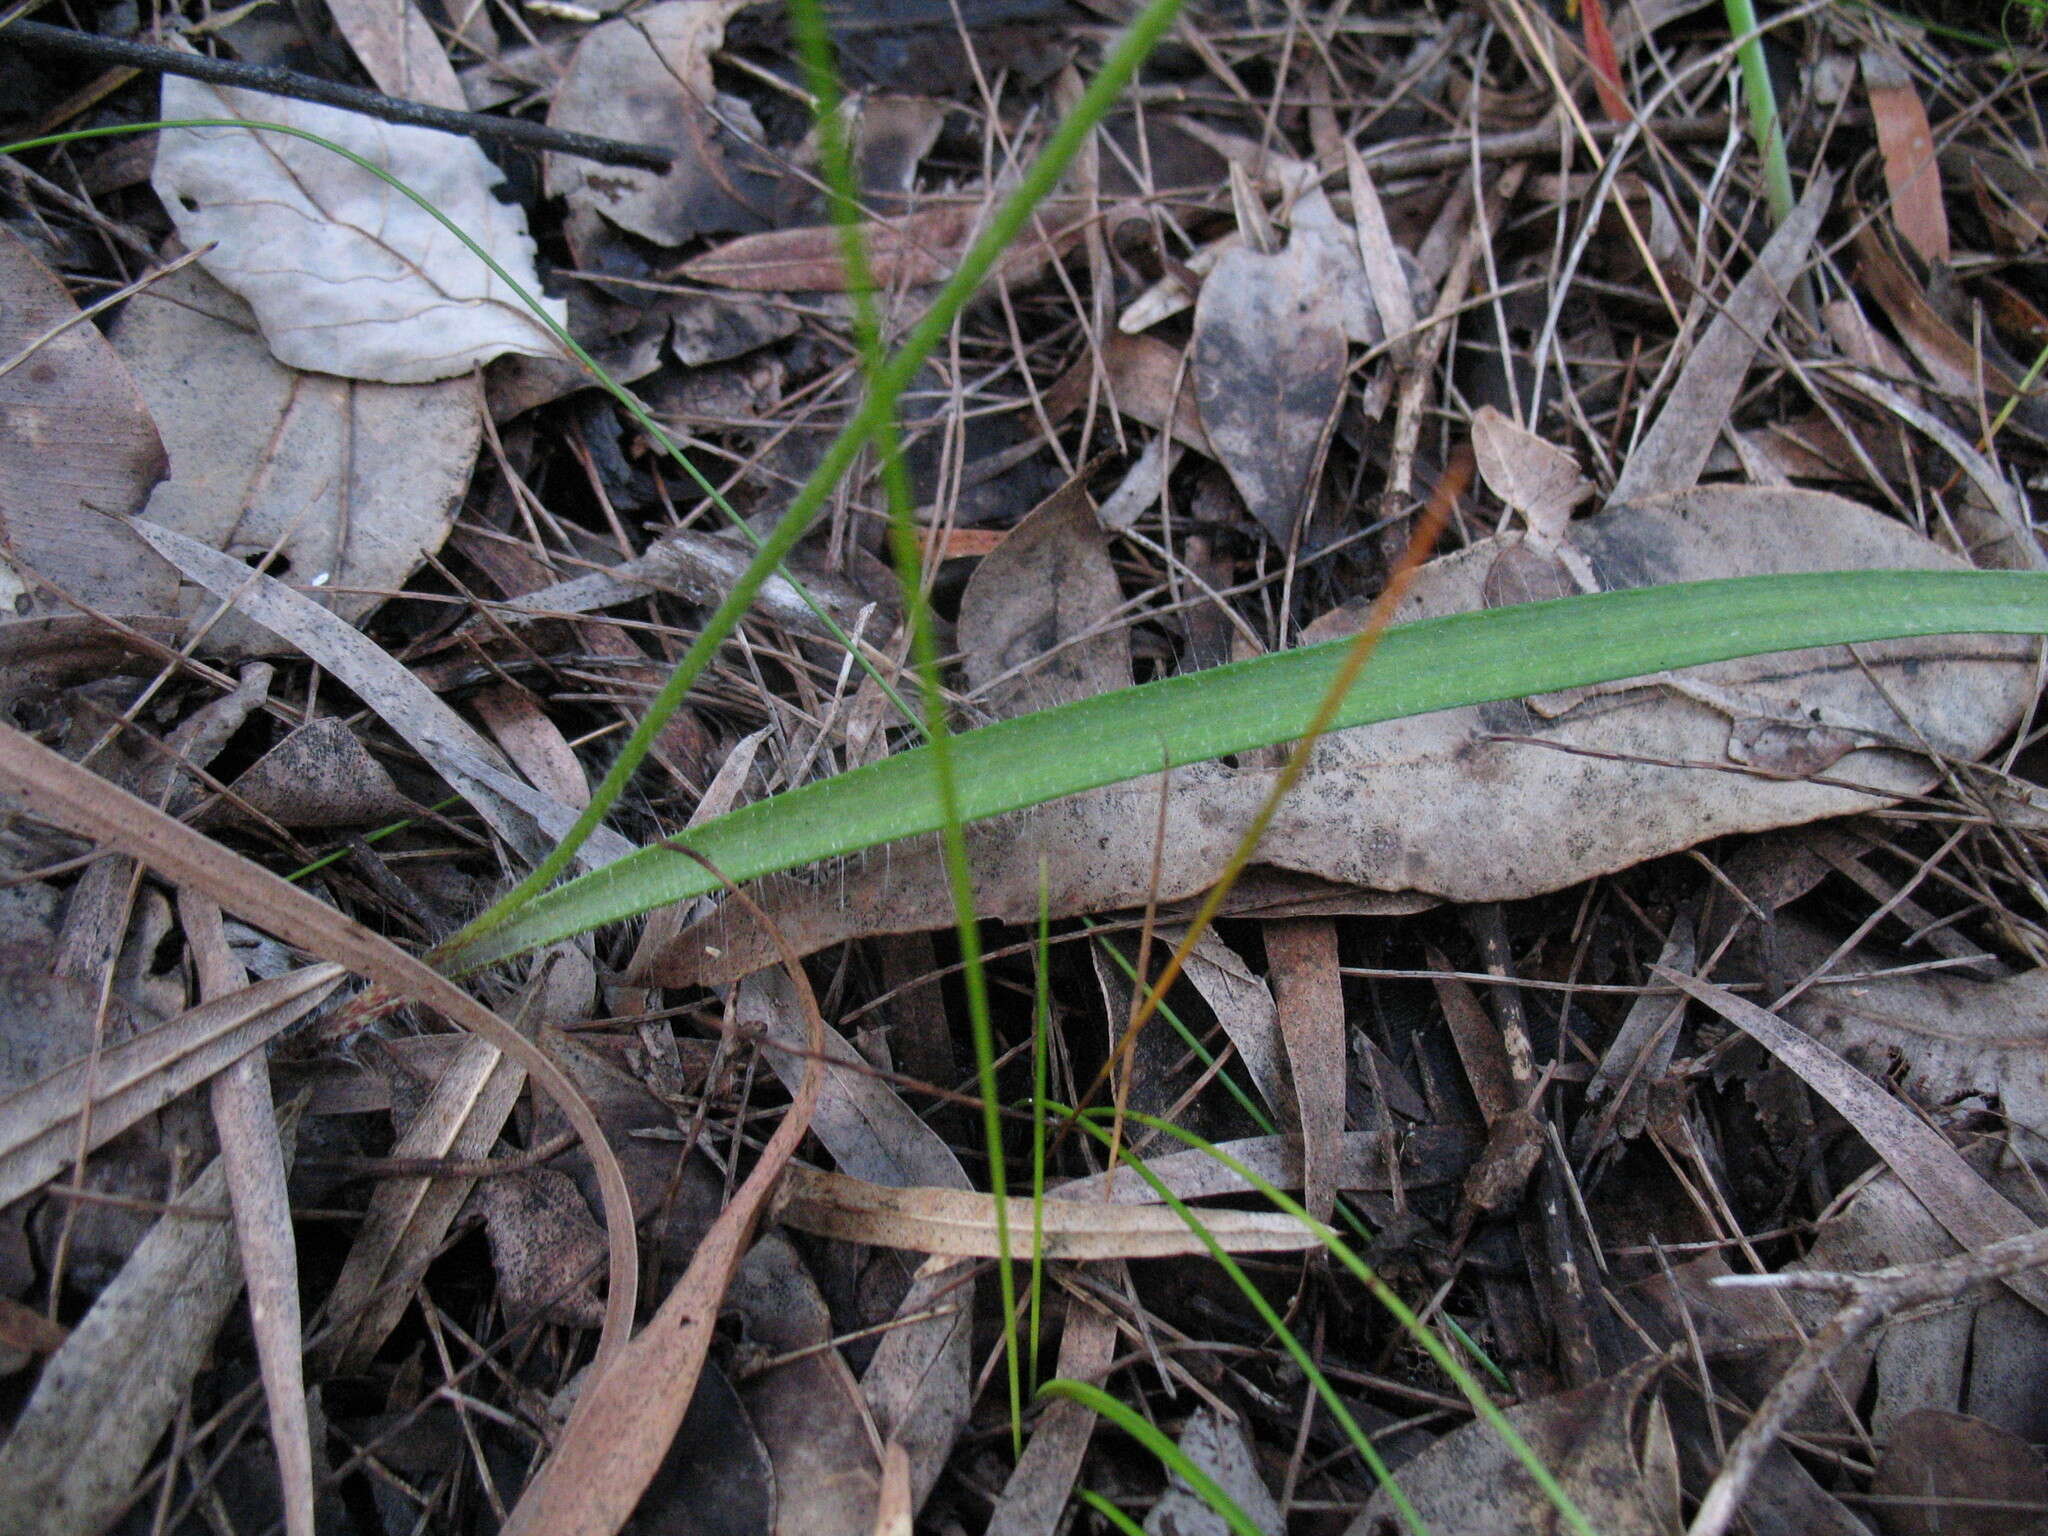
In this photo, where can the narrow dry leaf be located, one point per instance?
(1302, 957)
(958, 1224)
(1385, 278)
(39, 1132)
(1430, 1156)
(1244, 1007)
(1974, 1212)
(78, 451)
(527, 819)
(407, 1219)
(118, 1380)
(1636, 1059)
(344, 274)
(805, 1406)
(1672, 453)
(647, 78)
(534, 742)
(1495, 802)
(1268, 365)
(1218, 1447)
(253, 1158)
(911, 250)
(1912, 176)
(893, 1512)
(918, 1384)
(345, 485)
(53, 789)
(1471, 1482)
(1035, 1496)
(1142, 374)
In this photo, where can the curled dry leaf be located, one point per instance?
(77, 451)
(345, 274)
(348, 485)
(647, 77)
(960, 1224)
(1499, 801)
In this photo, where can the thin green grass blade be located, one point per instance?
(1117, 1518)
(821, 75)
(1434, 1347)
(1147, 1434)
(1467, 658)
(1336, 1406)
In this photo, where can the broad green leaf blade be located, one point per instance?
(1467, 658)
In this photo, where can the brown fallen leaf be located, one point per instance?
(960, 1224)
(348, 484)
(1953, 1473)
(1471, 1482)
(78, 450)
(116, 1384)
(647, 77)
(910, 250)
(1912, 176)
(320, 775)
(1268, 363)
(805, 1405)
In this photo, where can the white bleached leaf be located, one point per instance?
(345, 274)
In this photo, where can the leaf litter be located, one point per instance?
(1552, 1003)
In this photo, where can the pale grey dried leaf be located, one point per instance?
(1471, 1482)
(346, 275)
(527, 819)
(1220, 1448)
(78, 451)
(39, 1133)
(1268, 369)
(117, 1382)
(1308, 991)
(545, 1248)
(647, 77)
(1674, 451)
(350, 484)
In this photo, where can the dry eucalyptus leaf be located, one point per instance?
(807, 1409)
(1493, 802)
(647, 77)
(546, 1249)
(1268, 366)
(320, 776)
(78, 451)
(351, 484)
(1597, 1441)
(1537, 478)
(1218, 1447)
(117, 1382)
(345, 274)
